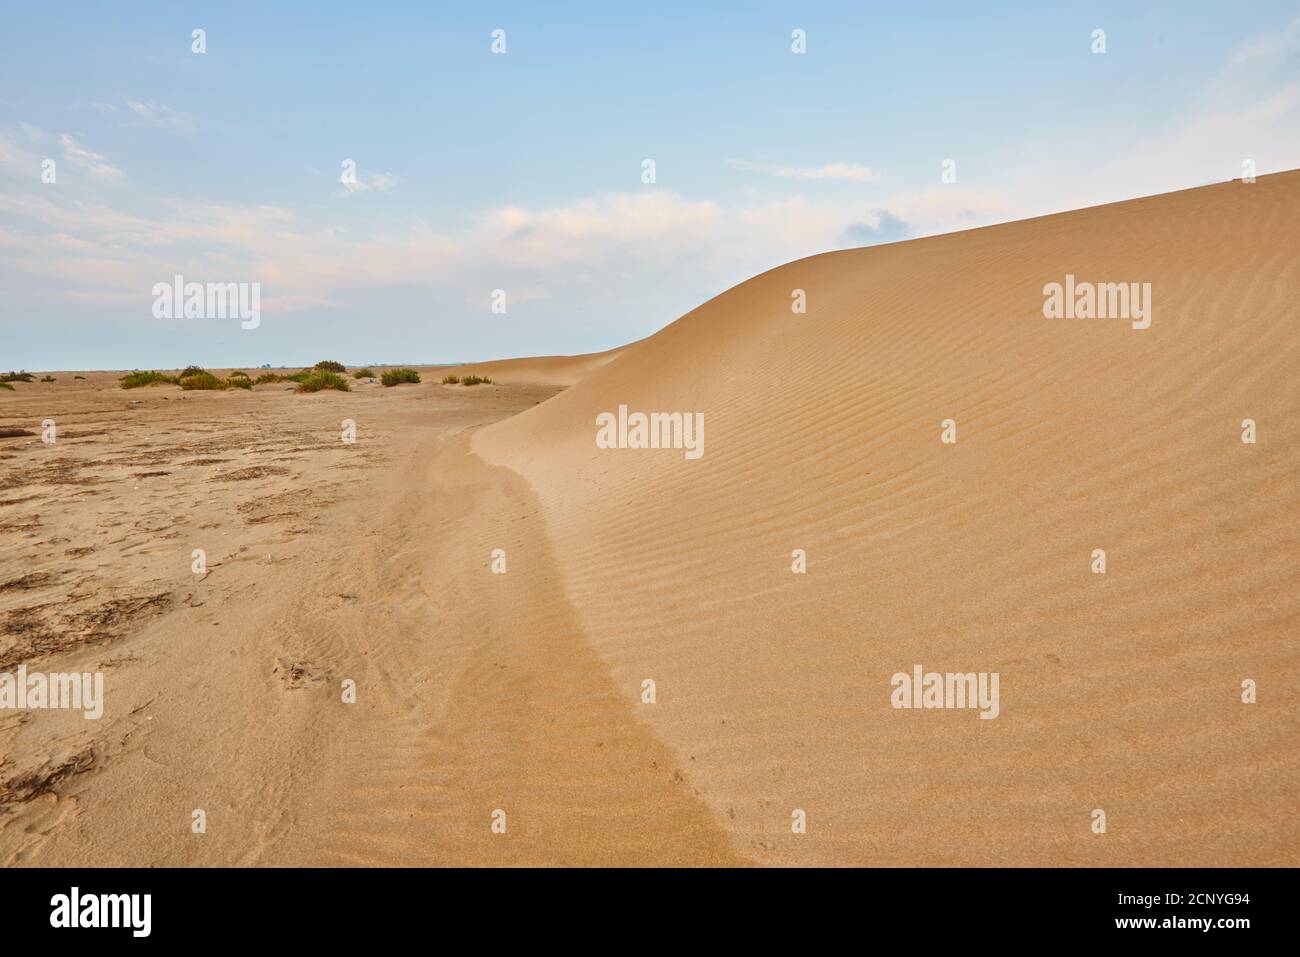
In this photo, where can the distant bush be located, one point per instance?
(277, 377)
(190, 370)
(6, 385)
(47, 378)
(203, 382)
(78, 377)
(17, 377)
(398, 376)
(450, 379)
(475, 380)
(240, 382)
(326, 365)
(133, 380)
(236, 373)
(323, 379)
(366, 373)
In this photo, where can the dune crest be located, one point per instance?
(1119, 691)
(539, 370)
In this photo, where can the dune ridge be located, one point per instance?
(539, 370)
(1120, 691)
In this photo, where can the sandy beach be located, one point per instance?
(497, 588)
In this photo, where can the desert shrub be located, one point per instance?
(203, 382)
(279, 377)
(475, 380)
(6, 385)
(450, 379)
(325, 365)
(236, 373)
(398, 376)
(366, 373)
(47, 378)
(190, 370)
(133, 380)
(323, 379)
(78, 377)
(240, 382)
(17, 377)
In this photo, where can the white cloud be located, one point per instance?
(92, 162)
(594, 230)
(157, 114)
(16, 150)
(841, 172)
(368, 182)
(637, 245)
(1268, 51)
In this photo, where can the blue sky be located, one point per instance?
(523, 171)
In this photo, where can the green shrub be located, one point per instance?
(450, 379)
(203, 382)
(236, 373)
(278, 377)
(189, 371)
(133, 380)
(398, 376)
(326, 365)
(240, 382)
(6, 385)
(366, 373)
(475, 380)
(323, 379)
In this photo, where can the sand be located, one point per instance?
(539, 370)
(523, 692)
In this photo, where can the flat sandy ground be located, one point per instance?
(523, 691)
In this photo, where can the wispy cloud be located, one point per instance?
(158, 114)
(368, 182)
(1269, 50)
(597, 254)
(843, 172)
(16, 146)
(92, 162)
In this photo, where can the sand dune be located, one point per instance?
(539, 370)
(522, 691)
(1119, 691)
